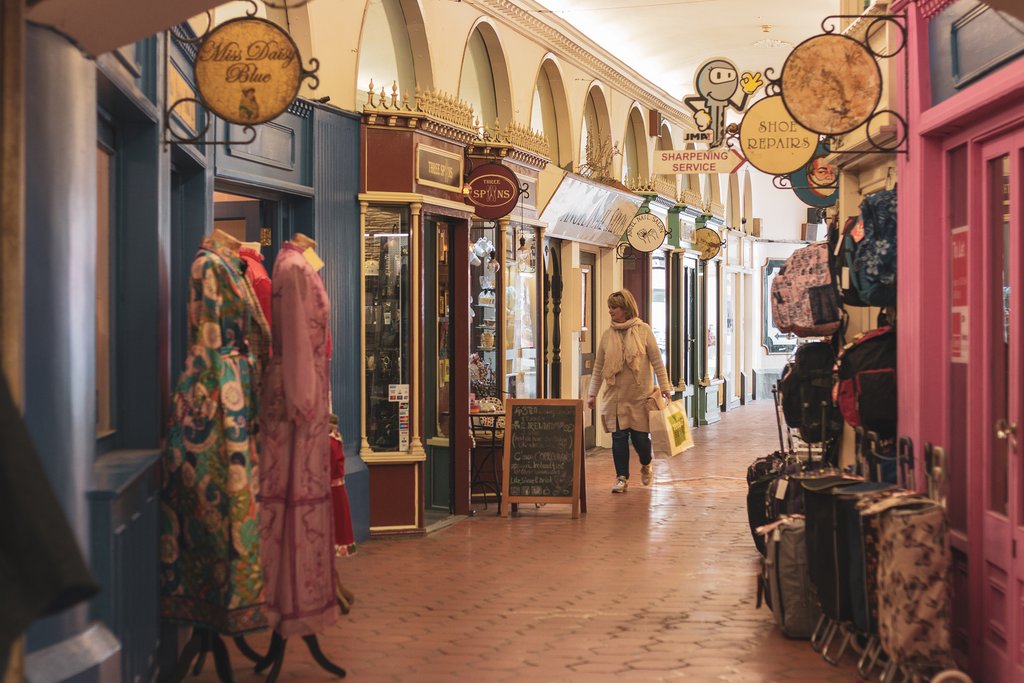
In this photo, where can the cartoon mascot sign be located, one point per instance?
(719, 86)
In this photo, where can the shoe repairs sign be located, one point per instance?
(248, 70)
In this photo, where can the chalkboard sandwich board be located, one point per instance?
(543, 460)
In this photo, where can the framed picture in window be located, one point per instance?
(774, 341)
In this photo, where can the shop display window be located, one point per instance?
(711, 327)
(484, 283)
(659, 302)
(386, 316)
(521, 311)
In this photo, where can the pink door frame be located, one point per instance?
(985, 109)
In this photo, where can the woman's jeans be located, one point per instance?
(620, 449)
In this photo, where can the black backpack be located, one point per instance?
(865, 380)
(805, 385)
(842, 247)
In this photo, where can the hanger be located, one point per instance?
(229, 241)
(304, 241)
(890, 178)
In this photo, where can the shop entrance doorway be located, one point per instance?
(588, 344)
(440, 463)
(688, 330)
(998, 272)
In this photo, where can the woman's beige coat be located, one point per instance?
(626, 400)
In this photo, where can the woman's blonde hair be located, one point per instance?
(624, 300)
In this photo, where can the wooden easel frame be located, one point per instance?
(578, 481)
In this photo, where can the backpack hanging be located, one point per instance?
(842, 250)
(873, 274)
(805, 388)
(865, 382)
(803, 295)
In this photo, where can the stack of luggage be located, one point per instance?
(852, 558)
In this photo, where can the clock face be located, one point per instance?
(707, 242)
(646, 232)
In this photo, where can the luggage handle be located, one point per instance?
(778, 417)
(905, 455)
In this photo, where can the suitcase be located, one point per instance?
(821, 540)
(784, 583)
(914, 589)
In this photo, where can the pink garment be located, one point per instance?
(297, 534)
(257, 276)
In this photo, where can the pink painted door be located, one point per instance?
(1001, 333)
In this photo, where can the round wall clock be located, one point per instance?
(831, 84)
(708, 242)
(646, 232)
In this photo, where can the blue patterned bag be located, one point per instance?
(873, 275)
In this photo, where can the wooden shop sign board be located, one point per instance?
(693, 161)
(543, 460)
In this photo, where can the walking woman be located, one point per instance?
(627, 359)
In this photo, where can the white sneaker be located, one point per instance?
(647, 473)
(620, 485)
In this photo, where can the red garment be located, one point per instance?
(344, 537)
(257, 276)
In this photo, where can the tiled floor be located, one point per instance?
(657, 584)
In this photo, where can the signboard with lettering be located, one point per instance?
(958, 295)
(646, 232)
(543, 459)
(586, 211)
(772, 141)
(438, 168)
(493, 191)
(694, 161)
(719, 87)
(248, 70)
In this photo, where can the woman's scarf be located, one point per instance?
(624, 350)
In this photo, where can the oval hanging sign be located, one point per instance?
(816, 183)
(646, 232)
(772, 141)
(708, 242)
(248, 70)
(831, 84)
(493, 190)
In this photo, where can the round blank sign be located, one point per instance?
(831, 84)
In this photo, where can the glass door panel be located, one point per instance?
(484, 283)
(521, 311)
(386, 288)
(659, 304)
(999, 173)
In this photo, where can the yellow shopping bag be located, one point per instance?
(670, 430)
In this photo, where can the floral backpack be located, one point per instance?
(873, 272)
(803, 296)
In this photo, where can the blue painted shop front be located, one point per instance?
(115, 214)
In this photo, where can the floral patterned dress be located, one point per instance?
(297, 541)
(210, 569)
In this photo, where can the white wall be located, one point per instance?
(780, 211)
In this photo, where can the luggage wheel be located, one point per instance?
(869, 658)
(830, 634)
(843, 644)
(819, 632)
(890, 672)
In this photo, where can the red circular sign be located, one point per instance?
(493, 190)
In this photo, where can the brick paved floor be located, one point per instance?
(654, 585)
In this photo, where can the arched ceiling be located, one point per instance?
(666, 40)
